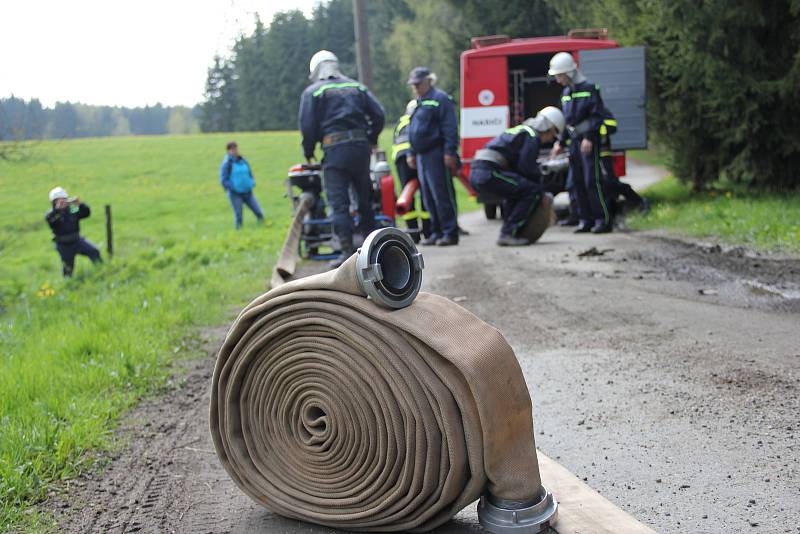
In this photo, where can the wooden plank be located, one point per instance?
(581, 510)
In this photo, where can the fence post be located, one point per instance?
(109, 232)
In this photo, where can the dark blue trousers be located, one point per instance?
(346, 165)
(437, 193)
(520, 195)
(68, 251)
(589, 185)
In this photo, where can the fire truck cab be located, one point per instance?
(504, 81)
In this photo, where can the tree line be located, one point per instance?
(258, 85)
(723, 76)
(22, 120)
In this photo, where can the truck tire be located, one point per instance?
(490, 210)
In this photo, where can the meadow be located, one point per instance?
(75, 354)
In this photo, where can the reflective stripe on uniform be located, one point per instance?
(603, 130)
(521, 127)
(582, 94)
(504, 178)
(566, 98)
(404, 121)
(434, 103)
(338, 85)
(412, 215)
(399, 147)
(610, 122)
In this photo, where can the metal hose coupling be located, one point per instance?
(501, 516)
(389, 268)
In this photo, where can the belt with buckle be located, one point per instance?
(340, 137)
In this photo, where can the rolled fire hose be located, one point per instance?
(541, 218)
(287, 260)
(337, 400)
(406, 198)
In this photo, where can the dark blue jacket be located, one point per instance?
(338, 105)
(225, 171)
(582, 103)
(65, 223)
(520, 146)
(434, 123)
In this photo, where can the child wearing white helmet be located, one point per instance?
(64, 220)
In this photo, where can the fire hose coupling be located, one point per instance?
(501, 516)
(389, 268)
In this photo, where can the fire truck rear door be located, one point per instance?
(621, 76)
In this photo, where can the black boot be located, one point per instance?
(583, 228)
(506, 240)
(602, 228)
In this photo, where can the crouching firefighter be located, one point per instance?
(506, 167)
(583, 112)
(64, 220)
(401, 147)
(343, 116)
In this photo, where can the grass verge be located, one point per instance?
(769, 222)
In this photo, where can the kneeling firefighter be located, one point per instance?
(346, 119)
(507, 167)
(583, 112)
(401, 147)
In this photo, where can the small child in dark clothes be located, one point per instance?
(64, 220)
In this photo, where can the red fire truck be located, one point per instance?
(505, 80)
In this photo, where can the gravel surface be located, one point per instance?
(664, 373)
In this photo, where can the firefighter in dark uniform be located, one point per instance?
(583, 112)
(507, 167)
(614, 185)
(64, 220)
(433, 134)
(346, 119)
(401, 146)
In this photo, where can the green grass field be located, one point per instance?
(76, 354)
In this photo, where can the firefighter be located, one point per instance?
(343, 116)
(400, 148)
(64, 220)
(583, 112)
(507, 167)
(433, 134)
(615, 186)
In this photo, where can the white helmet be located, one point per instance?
(321, 57)
(411, 106)
(547, 118)
(562, 63)
(57, 192)
(554, 116)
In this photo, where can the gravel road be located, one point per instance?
(665, 374)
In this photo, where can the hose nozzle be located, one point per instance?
(389, 268)
(500, 516)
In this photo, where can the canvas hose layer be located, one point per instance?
(539, 220)
(328, 408)
(287, 260)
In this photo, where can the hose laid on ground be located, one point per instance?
(287, 260)
(330, 409)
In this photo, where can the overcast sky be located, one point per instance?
(120, 52)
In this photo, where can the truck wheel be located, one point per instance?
(490, 210)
